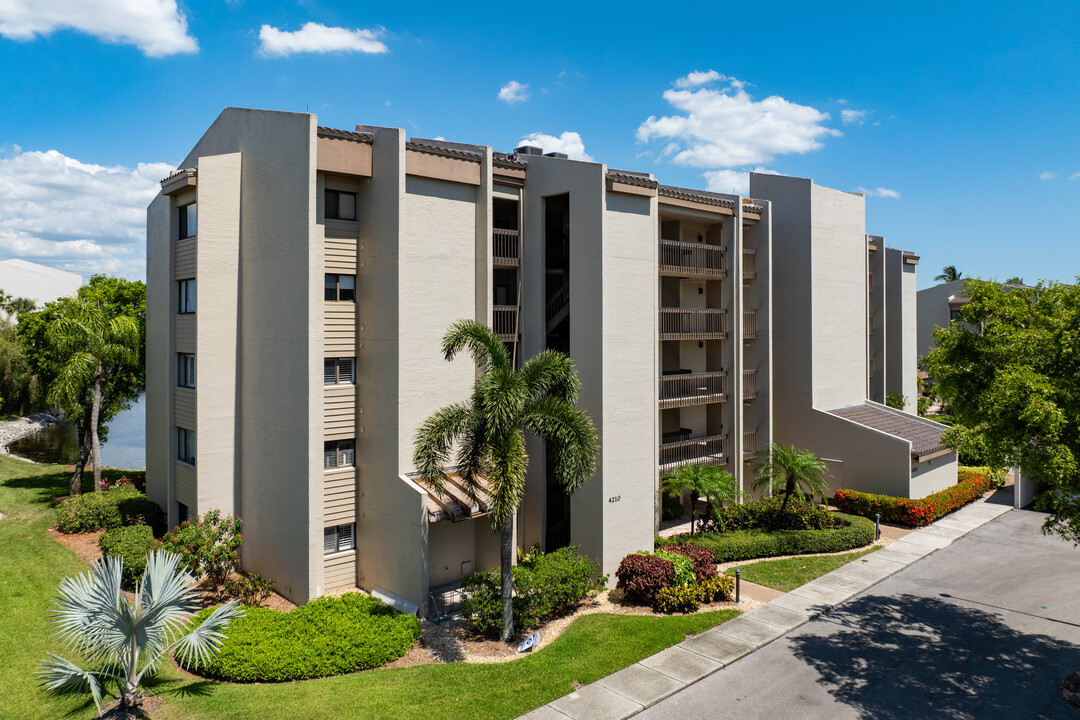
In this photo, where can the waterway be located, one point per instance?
(125, 448)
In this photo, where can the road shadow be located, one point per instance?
(896, 658)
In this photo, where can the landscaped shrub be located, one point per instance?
(546, 586)
(683, 566)
(105, 509)
(850, 532)
(678, 599)
(131, 544)
(249, 589)
(328, 636)
(704, 561)
(914, 513)
(641, 577)
(671, 508)
(716, 589)
(208, 545)
(996, 476)
(799, 515)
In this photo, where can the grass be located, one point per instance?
(789, 573)
(592, 647)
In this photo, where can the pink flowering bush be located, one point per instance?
(208, 545)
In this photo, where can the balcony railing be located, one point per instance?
(693, 258)
(749, 384)
(710, 450)
(505, 247)
(692, 389)
(749, 324)
(692, 324)
(749, 444)
(504, 322)
(749, 264)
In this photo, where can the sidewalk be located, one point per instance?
(634, 688)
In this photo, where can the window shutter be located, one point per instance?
(191, 371)
(345, 371)
(329, 371)
(345, 537)
(329, 544)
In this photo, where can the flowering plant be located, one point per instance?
(208, 545)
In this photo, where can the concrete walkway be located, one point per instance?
(643, 684)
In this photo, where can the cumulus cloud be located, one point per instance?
(156, 27)
(879, 192)
(725, 127)
(76, 216)
(853, 117)
(514, 92)
(569, 143)
(1047, 175)
(736, 182)
(318, 38)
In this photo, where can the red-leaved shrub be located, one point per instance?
(704, 560)
(641, 577)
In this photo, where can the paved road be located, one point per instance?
(987, 627)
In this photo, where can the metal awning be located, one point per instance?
(455, 503)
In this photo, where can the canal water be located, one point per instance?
(126, 447)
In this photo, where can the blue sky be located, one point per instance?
(959, 120)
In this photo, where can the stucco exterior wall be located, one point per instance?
(881, 325)
(160, 449)
(932, 308)
(931, 476)
(902, 336)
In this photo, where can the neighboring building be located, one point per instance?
(330, 263)
(40, 283)
(937, 307)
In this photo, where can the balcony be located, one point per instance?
(505, 247)
(504, 322)
(749, 325)
(693, 324)
(684, 388)
(692, 259)
(749, 264)
(749, 384)
(749, 444)
(710, 450)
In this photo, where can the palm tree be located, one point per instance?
(949, 273)
(16, 306)
(702, 480)
(97, 349)
(127, 639)
(489, 429)
(787, 469)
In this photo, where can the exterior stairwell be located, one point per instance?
(558, 307)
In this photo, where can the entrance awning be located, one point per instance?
(455, 503)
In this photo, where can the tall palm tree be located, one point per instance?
(129, 640)
(702, 480)
(949, 273)
(787, 469)
(487, 433)
(97, 349)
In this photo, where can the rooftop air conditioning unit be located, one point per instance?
(528, 150)
(564, 156)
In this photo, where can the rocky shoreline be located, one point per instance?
(13, 430)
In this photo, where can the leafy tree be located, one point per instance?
(787, 469)
(702, 480)
(896, 400)
(489, 429)
(1012, 387)
(129, 640)
(949, 273)
(1015, 280)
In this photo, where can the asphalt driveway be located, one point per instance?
(987, 627)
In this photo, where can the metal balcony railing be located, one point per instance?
(711, 450)
(504, 322)
(749, 324)
(692, 389)
(505, 247)
(693, 258)
(749, 384)
(749, 264)
(693, 324)
(749, 444)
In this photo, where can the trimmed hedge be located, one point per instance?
(328, 636)
(850, 532)
(799, 515)
(996, 476)
(914, 513)
(130, 544)
(106, 509)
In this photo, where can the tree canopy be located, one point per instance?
(949, 273)
(1008, 373)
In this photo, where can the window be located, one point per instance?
(338, 453)
(338, 371)
(340, 205)
(341, 288)
(187, 297)
(188, 221)
(185, 373)
(954, 314)
(338, 538)
(185, 445)
(182, 512)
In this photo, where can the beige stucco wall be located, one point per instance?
(932, 308)
(902, 335)
(931, 476)
(160, 449)
(881, 322)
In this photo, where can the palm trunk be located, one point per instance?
(787, 496)
(94, 412)
(506, 560)
(75, 484)
(693, 509)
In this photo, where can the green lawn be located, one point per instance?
(33, 564)
(789, 573)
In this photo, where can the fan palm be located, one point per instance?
(488, 431)
(949, 273)
(97, 349)
(702, 480)
(787, 469)
(129, 640)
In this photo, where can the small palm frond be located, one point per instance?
(552, 373)
(472, 456)
(502, 394)
(198, 646)
(65, 677)
(715, 484)
(435, 439)
(571, 437)
(74, 376)
(786, 468)
(88, 606)
(506, 479)
(486, 348)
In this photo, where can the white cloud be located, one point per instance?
(736, 182)
(569, 143)
(697, 78)
(318, 38)
(850, 116)
(727, 128)
(1048, 175)
(1074, 176)
(879, 192)
(514, 92)
(76, 216)
(157, 27)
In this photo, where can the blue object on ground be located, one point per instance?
(529, 643)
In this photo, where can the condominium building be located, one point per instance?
(310, 273)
